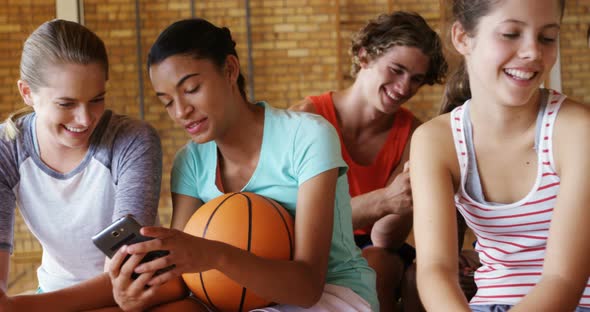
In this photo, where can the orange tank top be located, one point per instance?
(364, 179)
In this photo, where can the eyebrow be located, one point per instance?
(65, 98)
(421, 75)
(552, 25)
(400, 66)
(180, 82)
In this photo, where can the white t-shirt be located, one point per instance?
(119, 175)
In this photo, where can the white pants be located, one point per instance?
(334, 298)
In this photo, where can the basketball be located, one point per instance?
(244, 220)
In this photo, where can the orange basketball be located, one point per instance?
(248, 221)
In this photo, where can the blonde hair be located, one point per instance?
(55, 42)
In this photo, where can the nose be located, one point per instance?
(181, 108)
(84, 115)
(530, 49)
(403, 86)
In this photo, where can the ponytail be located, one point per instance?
(10, 129)
(457, 90)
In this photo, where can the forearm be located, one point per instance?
(551, 294)
(91, 294)
(439, 290)
(368, 208)
(171, 291)
(267, 277)
(391, 231)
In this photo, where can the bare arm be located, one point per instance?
(393, 199)
(184, 207)
(566, 269)
(97, 292)
(266, 277)
(91, 294)
(432, 162)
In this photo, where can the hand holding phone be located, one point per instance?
(125, 231)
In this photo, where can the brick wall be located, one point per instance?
(575, 54)
(299, 48)
(17, 19)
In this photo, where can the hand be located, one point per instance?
(466, 278)
(187, 253)
(399, 192)
(130, 295)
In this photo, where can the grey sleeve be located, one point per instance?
(8, 179)
(137, 165)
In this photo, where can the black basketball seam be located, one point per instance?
(243, 298)
(205, 233)
(286, 226)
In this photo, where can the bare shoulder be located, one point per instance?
(434, 139)
(415, 123)
(571, 125)
(572, 121)
(572, 110)
(436, 129)
(305, 105)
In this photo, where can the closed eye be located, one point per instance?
(511, 35)
(396, 71)
(65, 104)
(192, 90)
(547, 40)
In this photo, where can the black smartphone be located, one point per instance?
(125, 231)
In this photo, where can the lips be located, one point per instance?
(520, 74)
(76, 129)
(193, 127)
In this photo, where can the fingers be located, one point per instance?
(162, 278)
(129, 266)
(156, 231)
(117, 261)
(407, 166)
(145, 247)
(154, 265)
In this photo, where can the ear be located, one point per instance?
(460, 38)
(25, 92)
(363, 58)
(232, 68)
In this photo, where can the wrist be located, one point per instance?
(219, 255)
(384, 203)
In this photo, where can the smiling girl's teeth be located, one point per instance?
(518, 74)
(78, 130)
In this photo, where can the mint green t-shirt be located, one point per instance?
(295, 147)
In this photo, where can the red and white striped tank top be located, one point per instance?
(511, 238)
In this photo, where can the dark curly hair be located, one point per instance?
(400, 29)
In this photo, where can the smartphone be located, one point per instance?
(125, 231)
